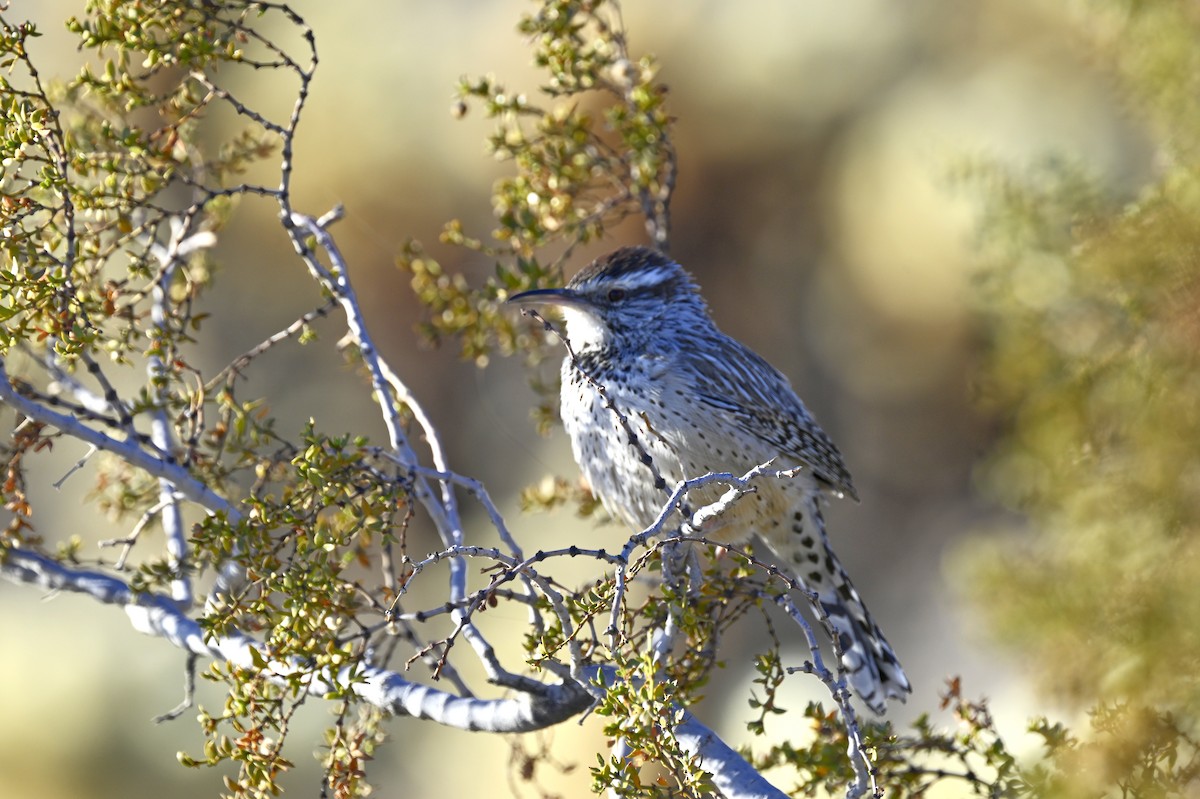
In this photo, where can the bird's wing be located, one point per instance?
(755, 396)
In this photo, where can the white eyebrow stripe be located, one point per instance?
(644, 278)
(651, 277)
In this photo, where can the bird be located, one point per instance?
(700, 402)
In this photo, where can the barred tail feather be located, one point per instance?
(871, 665)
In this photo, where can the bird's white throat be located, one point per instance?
(584, 330)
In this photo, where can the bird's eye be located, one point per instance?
(615, 295)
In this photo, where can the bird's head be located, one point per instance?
(626, 298)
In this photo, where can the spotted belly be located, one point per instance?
(680, 448)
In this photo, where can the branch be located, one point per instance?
(389, 392)
(337, 281)
(734, 777)
(170, 516)
(157, 464)
(158, 616)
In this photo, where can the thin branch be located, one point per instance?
(239, 363)
(128, 541)
(864, 774)
(337, 281)
(157, 464)
(676, 502)
(171, 518)
(189, 691)
(79, 464)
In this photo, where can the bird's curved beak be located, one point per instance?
(563, 296)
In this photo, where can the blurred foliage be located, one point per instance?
(554, 492)
(1091, 311)
(1091, 306)
(1132, 751)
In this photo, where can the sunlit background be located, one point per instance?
(817, 143)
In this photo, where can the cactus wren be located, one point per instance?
(701, 402)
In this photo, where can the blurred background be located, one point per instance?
(815, 206)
